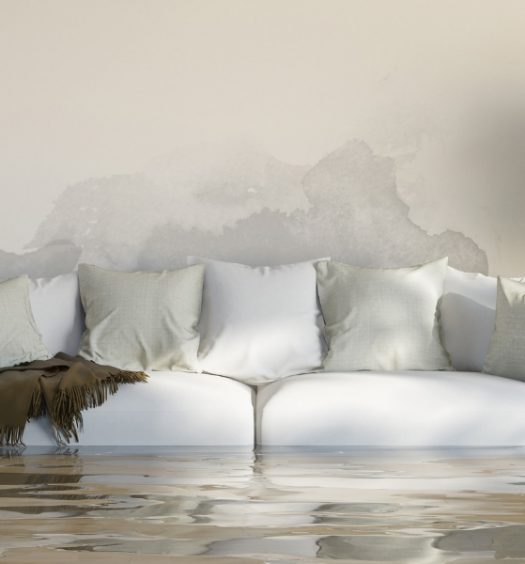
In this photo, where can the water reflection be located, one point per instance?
(273, 506)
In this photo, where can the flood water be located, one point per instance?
(280, 505)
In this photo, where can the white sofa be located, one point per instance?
(419, 409)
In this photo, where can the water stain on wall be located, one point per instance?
(239, 203)
(49, 260)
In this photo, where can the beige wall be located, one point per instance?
(381, 132)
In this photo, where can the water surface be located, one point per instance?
(276, 505)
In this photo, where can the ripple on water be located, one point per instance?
(406, 507)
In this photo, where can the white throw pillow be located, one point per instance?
(468, 311)
(506, 355)
(58, 312)
(141, 320)
(259, 324)
(20, 340)
(382, 319)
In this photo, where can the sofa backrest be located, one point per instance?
(468, 312)
(58, 312)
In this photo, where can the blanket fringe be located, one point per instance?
(12, 436)
(69, 403)
(37, 406)
(66, 413)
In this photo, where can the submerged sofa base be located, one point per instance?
(358, 409)
(172, 408)
(394, 409)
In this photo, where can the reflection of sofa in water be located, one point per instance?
(360, 408)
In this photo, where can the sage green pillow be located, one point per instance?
(506, 355)
(141, 320)
(382, 319)
(20, 340)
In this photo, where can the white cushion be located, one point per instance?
(58, 312)
(141, 320)
(468, 311)
(172, 408)
(259, 324)
(392, 409)
(506, 354)
(382, 319)
(20, 340)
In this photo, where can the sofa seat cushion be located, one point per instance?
(172, 408)
(392, 409)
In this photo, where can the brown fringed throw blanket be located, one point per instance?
(60, 388)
